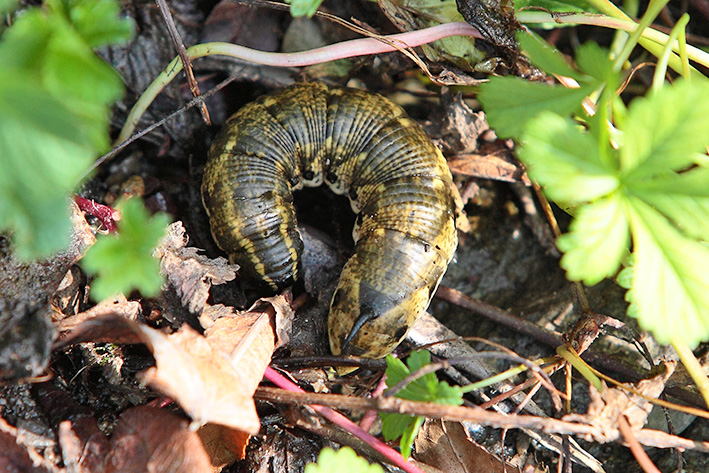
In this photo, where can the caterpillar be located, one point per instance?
(361, 145)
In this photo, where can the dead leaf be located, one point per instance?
(14, 456)
(448, 447)
(495, 166)
(117, 305)
(223, 445)
(190, 273)
(461, 126)
(248, 338)
(188, 369)
(611, 403)
(154, 440)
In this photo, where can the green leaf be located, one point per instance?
(597, 241)
(99, 22)
(510, 102)
(682, 197)
(395, 425)
(595, 61)
(427, 388)
(544, 56)
(344, 459)
(55, 95)
(409, 435)
(556, 5)
(670, 277)
(123, 262)
(42, 156)
(300, 8)
(666, 130)
(565, 160)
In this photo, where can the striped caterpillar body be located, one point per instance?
(361, 145)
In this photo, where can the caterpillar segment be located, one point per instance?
(361, 145)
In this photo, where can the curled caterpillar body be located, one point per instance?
(361, 145)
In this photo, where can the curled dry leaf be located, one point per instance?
(448, 447)
(190, 273)
(15, 457)
(611, 403)
(188, 369)
(461, 126)
(155, 440)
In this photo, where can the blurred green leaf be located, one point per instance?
(123, 262)
(300, 8)
(544, 56)
(510, 102)
(343, 460)
(55, 95)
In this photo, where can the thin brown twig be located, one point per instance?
(648, 437)
(186, 62)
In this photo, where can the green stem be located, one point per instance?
(651, 39)
(695, 370)
(651, 13)
(575, 361)
(658, 79)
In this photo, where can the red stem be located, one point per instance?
(338, 419)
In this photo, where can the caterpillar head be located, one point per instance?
(368, 321)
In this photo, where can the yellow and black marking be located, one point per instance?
(361, 145)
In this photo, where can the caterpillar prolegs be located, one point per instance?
(361, 145)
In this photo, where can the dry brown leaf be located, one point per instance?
(148, 439)
(190, 273)
(117, 306)
(448, 447)
(223, 445)
(188, 369)
(494, 166)
(611, 403)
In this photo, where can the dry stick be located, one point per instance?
(648, 437)
(338, 419)
(182, 52)
(554, 339)
(428, 409)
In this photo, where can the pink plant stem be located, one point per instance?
(338, 419)
(345, 49)
(105, 214)
(369, 416)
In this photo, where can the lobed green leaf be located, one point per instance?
(669, 279)
(510, 102)
(344, 459)
(665, 131)
(597, 241)
(124, 262)
(565, 160)
(55, 95)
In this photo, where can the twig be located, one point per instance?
(182, 52)
(648, 437)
